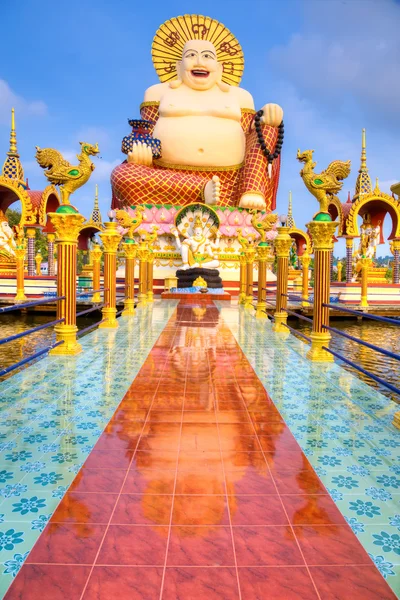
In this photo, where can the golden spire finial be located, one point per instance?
(12, 167)
(363, 183)
(377, 189)
(290, 220)
(363, 151)
(13, 135)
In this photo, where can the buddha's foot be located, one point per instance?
(212, 190)
(251, 200)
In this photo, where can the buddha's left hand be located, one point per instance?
(273, 115)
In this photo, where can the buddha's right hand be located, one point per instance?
(141, 154)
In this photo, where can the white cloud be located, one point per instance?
(309, 124)
(104, 168)
(94, 135)
(347, 52)
(9, 99)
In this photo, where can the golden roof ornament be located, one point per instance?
(12, 167)
(363, 183)
(172, 35)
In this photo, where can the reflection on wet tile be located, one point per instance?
(45, 582)
(196, 487)
(186, 582)
(124, 582)
(201, 546)
(288, 583)
(344, 428)
(133, 545)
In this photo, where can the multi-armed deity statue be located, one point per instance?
(200, 138)
(198, 250)
(7, 240)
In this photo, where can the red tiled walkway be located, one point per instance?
(197, 490)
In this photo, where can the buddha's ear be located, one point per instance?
(178, 81)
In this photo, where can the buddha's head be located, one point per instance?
(199, 68)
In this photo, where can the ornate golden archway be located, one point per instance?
(299, 234)
(11, 191)
(335, 209)
(49, 203)
(375, 203)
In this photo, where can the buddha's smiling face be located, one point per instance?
(199, 68)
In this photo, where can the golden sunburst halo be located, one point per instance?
(171, 37)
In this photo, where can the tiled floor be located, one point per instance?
(198, 489)
(52, 414)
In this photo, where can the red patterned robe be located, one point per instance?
(138, 184)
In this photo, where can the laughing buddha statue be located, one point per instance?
(200, 138)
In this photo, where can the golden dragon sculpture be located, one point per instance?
(263, 224)
(327, 183)
(60, 172)
(148, 237)
(128, 222)
(245, 242)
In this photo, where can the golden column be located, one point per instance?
(263, 252)
(250, 254)
(242, 278)
(282, 244)
(365, 265)
(150, 267)
(95, 254)
(50, 254)
(111, 239)
(20, 252)
(349, 259)
(395, 249)
(143, 255)
(339, 271)
(31, 235)
(67, 224)
(129, 247)
(38, 261)
(322, 234)
(305, 263)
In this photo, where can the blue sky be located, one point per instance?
(77, 70)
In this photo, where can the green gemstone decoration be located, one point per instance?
(322, 217)
(129, 241)
(66, 209)
(73, 172)
(258, 224)
(263, 244)
(318, 181)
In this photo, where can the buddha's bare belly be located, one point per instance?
(200, 141)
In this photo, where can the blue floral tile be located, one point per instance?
(343, 426)
(53, 413)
